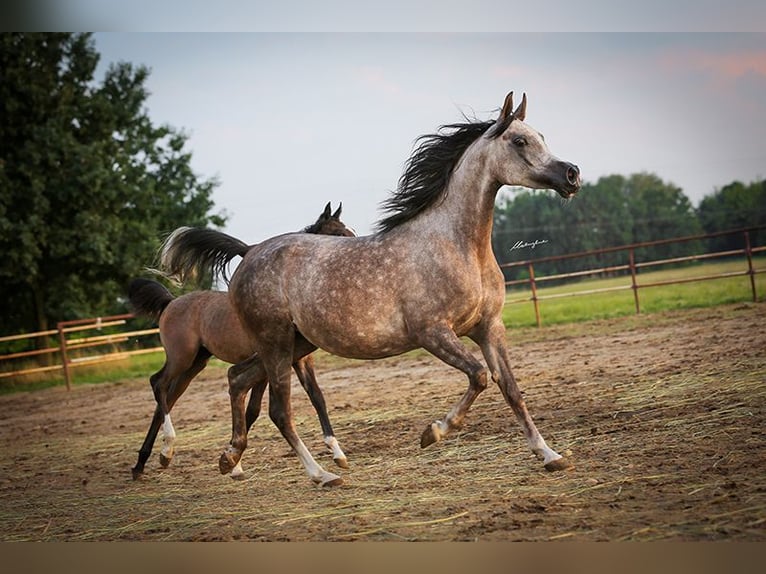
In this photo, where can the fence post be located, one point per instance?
(64, 358)
(633, 280)
(750, 270)
(534, 292)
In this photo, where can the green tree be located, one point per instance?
(614, 211)
(734, 206)
(87, 183)
(660, 210)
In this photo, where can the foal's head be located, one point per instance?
(330, 224)
(522, 157)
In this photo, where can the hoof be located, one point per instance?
(137, 473)
(227, 463)
(431, 435)
(559, 464)
(164, 461)
(337, 481)
(341, 462)
(328, 479)
(237, 473)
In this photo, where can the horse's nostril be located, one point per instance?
(573, 175)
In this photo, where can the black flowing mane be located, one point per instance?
(428, 171)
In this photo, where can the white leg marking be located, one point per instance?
(237, 473)
(313, 469)
(168, 437)
(337, 453)
(542, 450)
(439, 429)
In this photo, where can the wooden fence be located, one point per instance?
(632, 266)
(68, 347)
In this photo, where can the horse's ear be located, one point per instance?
(521, 111)
(505, 117)
(507, 108)
(336, 215)
(326, 212)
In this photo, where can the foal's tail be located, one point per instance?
(148, 298)
(192, 253)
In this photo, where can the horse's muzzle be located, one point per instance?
(573, 181)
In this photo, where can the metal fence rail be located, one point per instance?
(533, 281)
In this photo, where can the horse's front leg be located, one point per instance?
(495, 349)
(444, 344)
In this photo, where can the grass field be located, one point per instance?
(560, 310)
(567, 308)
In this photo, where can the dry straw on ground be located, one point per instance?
(663, 416)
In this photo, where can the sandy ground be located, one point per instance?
(663, 416)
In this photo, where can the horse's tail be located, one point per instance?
(191, 253)
(148, 298)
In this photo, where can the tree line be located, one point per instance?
(88, 183)
(620, 210)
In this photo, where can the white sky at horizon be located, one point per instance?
(289, 121)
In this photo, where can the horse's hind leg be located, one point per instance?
(242, 377)
(280, 411)
(146, 447)
(157, 380)
(251, 415)
(304, 368)
(444, 344)
(178, 388)
(495, 350)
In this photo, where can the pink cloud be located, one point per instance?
(722, 67)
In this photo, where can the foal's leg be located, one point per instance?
(444, 344)
(179, 386)
(154, 427)
(495, 350)
(304, 368)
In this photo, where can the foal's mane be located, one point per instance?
(428, 171)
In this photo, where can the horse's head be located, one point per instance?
(523, 158)
(329, 223)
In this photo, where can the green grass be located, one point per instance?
(564, 310)
(605, 305)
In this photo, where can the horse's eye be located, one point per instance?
(520, 141)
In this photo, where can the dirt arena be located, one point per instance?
(664, 417)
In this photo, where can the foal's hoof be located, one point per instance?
(431, 435)
(559, 464)
(341, 462)
(227, 463)
(164, 461)
(137, 473)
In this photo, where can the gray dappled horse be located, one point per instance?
(427, 277)
(197, 325)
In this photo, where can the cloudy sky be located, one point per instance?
(289, 121)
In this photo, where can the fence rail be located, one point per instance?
(68, 346)
(533, 281)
